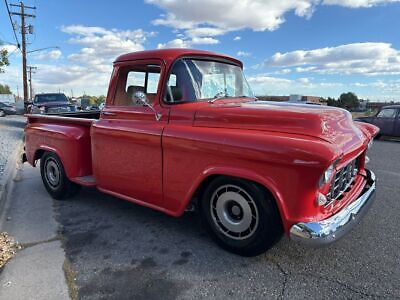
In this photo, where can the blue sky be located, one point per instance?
(309, 47)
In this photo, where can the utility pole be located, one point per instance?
(24, 29)
(31, 70)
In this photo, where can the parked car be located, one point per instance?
(7, 109)
(181, 128)
(50, 103)
(387, 119)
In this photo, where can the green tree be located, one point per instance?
(3, 59)
(349, 100)
(101, 99)
(5, 89)
(332, 101)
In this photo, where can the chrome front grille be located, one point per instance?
(342, 182)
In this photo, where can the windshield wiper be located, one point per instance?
(217, 96)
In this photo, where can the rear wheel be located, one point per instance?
(54, 178)
(241, 216)
(2, 113)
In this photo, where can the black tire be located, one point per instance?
(2, 113)
(54, 178)
(265, 227)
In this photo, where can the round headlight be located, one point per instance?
(327, 176)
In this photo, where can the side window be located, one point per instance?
(136, 79)
(152, 83)
(387, 113)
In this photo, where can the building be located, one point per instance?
(378, 105)
(295, 99)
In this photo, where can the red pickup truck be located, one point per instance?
(181, 128)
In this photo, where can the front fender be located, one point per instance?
(246, 174)
(368, 129)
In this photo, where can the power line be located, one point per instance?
(12, 25)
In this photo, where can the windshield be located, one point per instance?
(197, 80)
(50, 98)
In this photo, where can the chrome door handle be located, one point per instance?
(108, 113)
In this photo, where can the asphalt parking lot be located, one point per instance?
(119, 250)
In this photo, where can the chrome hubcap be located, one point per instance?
(52, 173)
(234, 212)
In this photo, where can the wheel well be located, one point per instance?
(202, 187)
(38, 155)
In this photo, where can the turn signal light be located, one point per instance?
(321, 199)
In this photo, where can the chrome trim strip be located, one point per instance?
(329, 230)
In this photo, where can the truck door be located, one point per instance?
(385, 120)
(126, 141)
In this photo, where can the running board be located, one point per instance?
(85, 180)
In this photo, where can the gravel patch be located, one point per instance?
(11, 132)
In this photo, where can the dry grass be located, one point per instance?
(363, 114)
(8, 248)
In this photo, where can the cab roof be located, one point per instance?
(170, 55)
(392, 106)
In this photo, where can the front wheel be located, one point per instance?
(54, 178)
(241, 216)
(2, 113)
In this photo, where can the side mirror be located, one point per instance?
(142, 98)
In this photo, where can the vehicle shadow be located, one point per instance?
(12, 121)
(118, 249)
(389, 139)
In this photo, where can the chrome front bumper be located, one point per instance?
(331, 229)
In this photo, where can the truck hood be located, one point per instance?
(52, 104)
(327, 123)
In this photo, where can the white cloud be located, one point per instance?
(243, 53)
(204, 32)
(237, 38)
(47, 55)
(230, 15)
(204, 41)
(264, 84)
(357, 58)
(87, 70)
(187, 43)
(176, 43)
(102, 46)
(9, 48)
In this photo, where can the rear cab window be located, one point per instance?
(139, 78)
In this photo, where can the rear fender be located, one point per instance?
(70, 142)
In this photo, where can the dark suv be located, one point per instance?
(50, 104)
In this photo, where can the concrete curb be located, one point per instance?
(7, 180)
